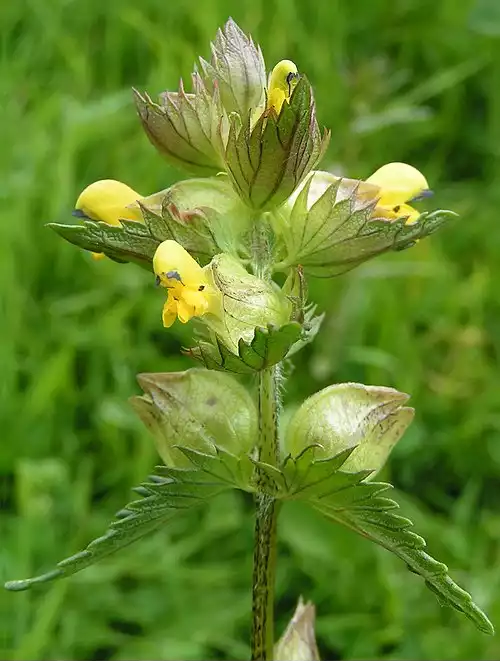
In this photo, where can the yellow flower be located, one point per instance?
(190, 293)
(108, 201)
(282, 81)
(399, 184)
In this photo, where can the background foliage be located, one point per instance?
(413, 80)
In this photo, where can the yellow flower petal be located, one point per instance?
(171, 262)
(282, 81)
(198, 300)
(189, 292)
(109, 200)
(185, 312)
(399, 211)
(398, 183)
(169, 314)
(275, 99)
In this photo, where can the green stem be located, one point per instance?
(266, 507)
(266, 513)
(261, 249)
(268, 415)
(264, 570)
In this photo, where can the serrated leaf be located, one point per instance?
(130, 242)
(310, 328)
(168, 492)
(267, 160)
(195, 213)
(372, 516)
(349, 499)
(295, 288)
(302, 477)
(191, 229)
(164, 500)
(216, 356)
(337, 232)
(224, 467)
(268, 347)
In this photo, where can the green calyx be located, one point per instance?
(367, 419)
(198, 409)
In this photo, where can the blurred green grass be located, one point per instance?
(415, 80)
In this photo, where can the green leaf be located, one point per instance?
(192, 228)
(295, 288)
(338, 232)
(310, 328)
(362, 508)
(133, 241)
(268, 346)
(267, 161)
(168, 492)
(161, 500)
(195, 213)
(223, 466)
(348, 498)
(303, 477)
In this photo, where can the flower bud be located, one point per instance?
(298, 643)
(109, 201)
(197, 409)
(370, 419)
(236, 69)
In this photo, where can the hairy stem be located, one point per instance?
(264, 569)
(268, 415)
(266, 507)
(261, 249)
(266, 512)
